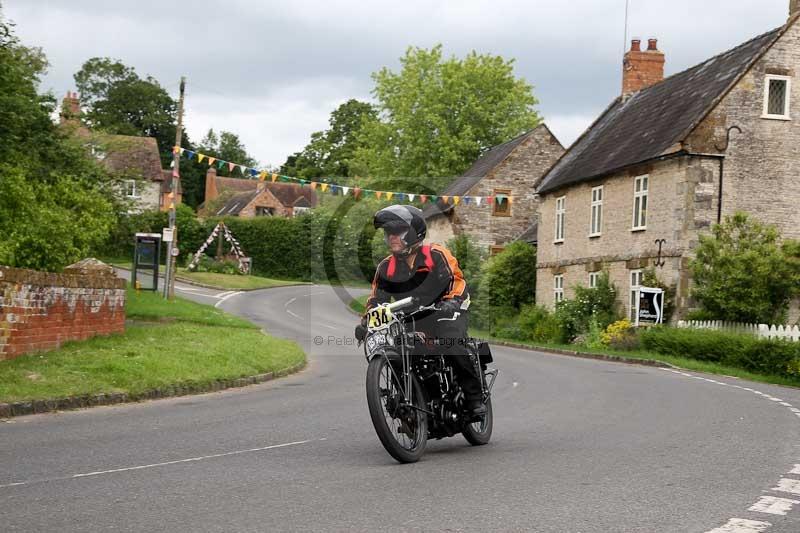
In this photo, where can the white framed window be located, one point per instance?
(558, 288)
(640, 186)
(593, 277)
(596, 226)
(297, 211)
(636, 283)
(561, 213)
(130, 189)
(776, 97)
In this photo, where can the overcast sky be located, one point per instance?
(272, 71)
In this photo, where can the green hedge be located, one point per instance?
(765, 356)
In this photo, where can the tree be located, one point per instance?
(118, 101)
(228, 147)
(331, 152)
(437, 116)
(743, 273)
(54, 205)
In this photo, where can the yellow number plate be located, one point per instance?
(379, 317)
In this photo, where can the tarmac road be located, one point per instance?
(579, 446)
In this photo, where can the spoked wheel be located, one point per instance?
(403, 430)
(479, 433)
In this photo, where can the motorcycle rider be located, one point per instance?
(431, 274)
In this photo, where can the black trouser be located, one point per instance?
(450, 330)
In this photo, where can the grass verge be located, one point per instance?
(682, 362)
(359, 304)
(190, 344)
(215, 280)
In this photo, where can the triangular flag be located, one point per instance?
(262, 176)
(456, 199)
(274, 177)
(433, 197)
(356, 192)
(510, 199)
(200, 158)
(345, 190)
(176, 149)
(334, 189)
(231, 166)
(401, 196)
(389, 195)
(467, 200)
(211, 160)
(478, 200)
(490, 200)
(378, 194)
(446, 199)
(182, 150)
(174, 172)
(221, 164)
(314, 184)
(324, 187)
(190, 154)
(253, 172)
(242, 168)
(423, 198)
(411, 197)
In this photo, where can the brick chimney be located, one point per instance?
(70, 108)
(642, 69)
(794, 7)
(211, 184)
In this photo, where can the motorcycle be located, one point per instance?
(413, 394)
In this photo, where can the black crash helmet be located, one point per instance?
(404, 220)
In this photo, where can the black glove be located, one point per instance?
(361, 331)
(450, 306)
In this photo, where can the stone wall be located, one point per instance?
(41, 310)
(682, 204)
(762, 161)
(519, 173)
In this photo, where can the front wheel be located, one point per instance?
(479, 433)
(402, 429)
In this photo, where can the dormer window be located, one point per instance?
(776, 97)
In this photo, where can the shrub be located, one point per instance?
(539, 325)
(598, 304)
(509, 278)
(701, 344)
(742, 273)
(470, 258)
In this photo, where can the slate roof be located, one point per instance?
(130, 154)
(479, 170)
(530, 235)
(236, 203)
(649, 123)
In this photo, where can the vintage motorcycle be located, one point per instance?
(413, 393)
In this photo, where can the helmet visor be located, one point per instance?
(392, 233)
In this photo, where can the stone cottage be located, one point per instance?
(512, 169)
(667, 159)
(252, 198)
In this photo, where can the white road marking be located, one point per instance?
(226, 297)
(187, 289)
(312, 294)
(792, 486)
(786, 404)
(166, 463)
(294, 315)
(289, 302)
(795, 470)
(223, 294)
(740, 525)
(327, 326)
(773, 505)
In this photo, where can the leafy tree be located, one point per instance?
(330, 152)
(470, 257)
(508, 282)
(437, 115)
(54, 205)
(228, 147)
(118, 101)
(743, 273)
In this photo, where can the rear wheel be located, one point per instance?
(479, 432)
(402, 430)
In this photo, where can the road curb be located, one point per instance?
(586, 355)
(186, 388)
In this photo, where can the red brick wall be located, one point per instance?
(41, 311)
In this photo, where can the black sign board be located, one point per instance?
(650, 306)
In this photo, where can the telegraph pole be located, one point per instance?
(169, 282)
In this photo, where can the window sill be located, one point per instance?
(559, 241)
(643, 228)
(776, 117)
(595, 235)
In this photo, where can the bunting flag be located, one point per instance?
(343, 190)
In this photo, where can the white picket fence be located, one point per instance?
(763, 331)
